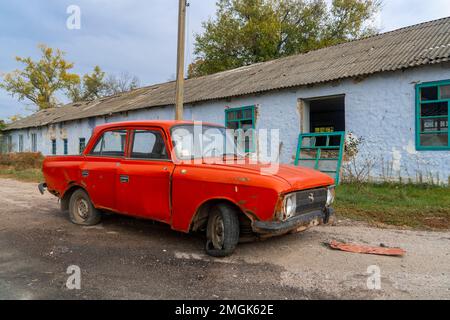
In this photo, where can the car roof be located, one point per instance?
(165, 124)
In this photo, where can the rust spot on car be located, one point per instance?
(243, 179)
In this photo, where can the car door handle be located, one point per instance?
(84, 173)
(124, 179)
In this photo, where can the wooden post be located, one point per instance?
(180, 61)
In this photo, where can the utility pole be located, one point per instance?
(180, 61)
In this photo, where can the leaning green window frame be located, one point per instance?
(318, 157)
(419, 103)
(240, 120)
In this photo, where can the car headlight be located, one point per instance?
(331, 194)
(290, 205)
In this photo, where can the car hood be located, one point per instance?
(299, 178)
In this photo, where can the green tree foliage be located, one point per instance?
(39, 80)
(97, 85)
(250, 31)
(90, 88)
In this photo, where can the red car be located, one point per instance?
(153, 170)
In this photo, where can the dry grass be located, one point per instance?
(22, 166)
(21, 161)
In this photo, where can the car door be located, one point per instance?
(99, 171)
(143, 186)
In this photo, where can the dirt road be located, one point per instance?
(126, 258)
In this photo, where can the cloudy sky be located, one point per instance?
(135, 36)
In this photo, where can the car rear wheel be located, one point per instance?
(81, 210)
(222, 232)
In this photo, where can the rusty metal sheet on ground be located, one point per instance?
(355, 248)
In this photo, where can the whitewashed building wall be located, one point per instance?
(380, 109)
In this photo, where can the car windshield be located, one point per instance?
(200, 141)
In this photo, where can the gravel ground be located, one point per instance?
(126, 258)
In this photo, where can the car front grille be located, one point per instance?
(310, 200)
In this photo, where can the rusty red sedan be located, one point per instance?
(175, 173)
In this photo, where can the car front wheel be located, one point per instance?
(222, 232)
(81, 210)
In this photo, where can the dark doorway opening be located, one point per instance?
(327, 115)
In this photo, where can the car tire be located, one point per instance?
(222, 232)
(81, 210)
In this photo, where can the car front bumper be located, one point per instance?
(303, 221)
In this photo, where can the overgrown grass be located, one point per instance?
(413, 206)
(27, 175)
(22, 166)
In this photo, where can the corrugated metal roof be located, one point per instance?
(422, 44)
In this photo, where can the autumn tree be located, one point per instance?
(97, 85)
(90, 88)
(39, 81)
(250, 31)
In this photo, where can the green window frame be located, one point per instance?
(433, 115)
(66, 146)
(239, 118)
(54, 147)
(313, 154)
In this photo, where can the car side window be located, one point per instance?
(149, 145)
(112, 144)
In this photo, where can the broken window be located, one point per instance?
(433, 115)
